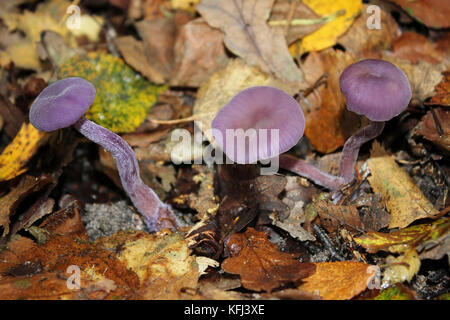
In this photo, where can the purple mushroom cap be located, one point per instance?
(252, 110)
(376, 89)
(61, 104)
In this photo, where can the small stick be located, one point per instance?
(326, 241)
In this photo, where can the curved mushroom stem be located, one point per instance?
(309, 171)
(351, 148)
(157, 214)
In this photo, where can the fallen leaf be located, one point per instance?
(260, 264)
(15, 156)
(327, 35)
(439, 133)
(12, 116)
(423, 76)
(188, 5)
(123, 97)
(292, 225)
(414, 46)
(404, 200)
(10, 201)
(372, 212)
(360, 41)
(433, 13)
(401, 268)
(53, 286)
(161, 261)
(52, 260)
(303, 20)
(332, 216)
(133, 53)
(328, 122)
(416, 236)
(175, 49)
(46, 17)
(248, 35)
(204, 263)
(339, 280)
(198, 53)
(442, 96)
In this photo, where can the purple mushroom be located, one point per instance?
(63, 104)
(258, 123)
(263, 108)
(378, 90)
(374, 88)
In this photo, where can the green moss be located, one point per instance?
(393, 293)
(124, 97)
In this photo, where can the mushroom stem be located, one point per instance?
(156, 213)
(351, 148)
(309, 171)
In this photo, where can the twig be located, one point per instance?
(326, 241)
(306, 22)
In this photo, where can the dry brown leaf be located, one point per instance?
(339, 280)
(133, 53)
(158, 36)
(332, 216)
(433, 13)
(10, 202)
(423, 76)
(361, 41)
(176, 49)
(429, 130)
(162, 262)
(404, 200)
(328, 122)
(248, 35)
(52, 259)
(260, 264)
(53, 286)
(285, 10)
(292, 224)
(414, 47)
(442, 96)
(199, 52)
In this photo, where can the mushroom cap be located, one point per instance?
(376, 89)
(259, 107)
(61, 104)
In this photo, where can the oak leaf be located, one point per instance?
(260, 264)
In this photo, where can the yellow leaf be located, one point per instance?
(326, 36)
(19, 151)
(401, 268)
(404, 200)
(188, 5)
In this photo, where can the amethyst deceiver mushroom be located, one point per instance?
(264, 107)
(378, 90)
(268, 114)
(62, 104)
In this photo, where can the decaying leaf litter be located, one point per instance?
(159, 66)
